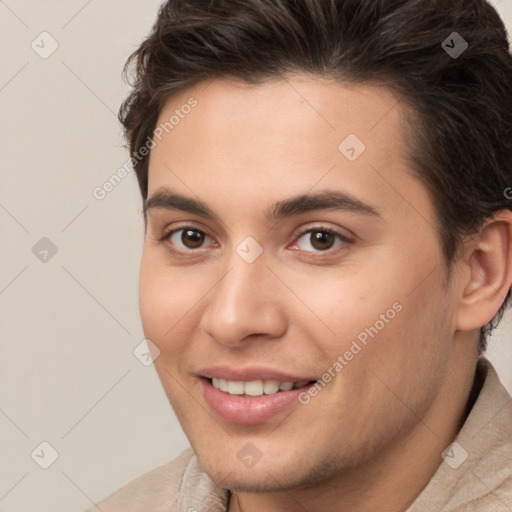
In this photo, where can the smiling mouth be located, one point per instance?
(257, 387)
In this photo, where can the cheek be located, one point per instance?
(410, 353)
(396, 312)
(342, 302)
(167, 298)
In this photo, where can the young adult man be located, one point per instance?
(328, 243)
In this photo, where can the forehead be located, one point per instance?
(285, 137)
(290, 109)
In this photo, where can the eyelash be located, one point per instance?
(343, 239)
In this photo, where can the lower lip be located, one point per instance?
(249, 410)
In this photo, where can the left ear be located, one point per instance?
(488, 276)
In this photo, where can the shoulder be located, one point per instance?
(488, 439)
(158, 490)
(476, 474)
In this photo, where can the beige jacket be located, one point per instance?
(482, 482)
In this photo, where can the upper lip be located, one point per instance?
(251, 373)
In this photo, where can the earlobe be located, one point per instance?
(489, 272)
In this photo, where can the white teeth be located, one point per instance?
(255, 387)
(270, 387)
(235, 387)
(286, 386)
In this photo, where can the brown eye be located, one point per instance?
(187, 238)
(322, 240)
(318, 240)
(192, 238)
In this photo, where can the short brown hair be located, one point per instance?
(462, 147)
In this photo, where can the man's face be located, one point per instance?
(259, 286)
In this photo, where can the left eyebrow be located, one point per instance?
(324, 200)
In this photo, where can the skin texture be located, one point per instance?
(373, 437)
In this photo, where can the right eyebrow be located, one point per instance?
(169, 200)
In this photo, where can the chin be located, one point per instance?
(250, 480)
(264, 476)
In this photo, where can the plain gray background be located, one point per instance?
(70, 323)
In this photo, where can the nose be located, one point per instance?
(245, 304)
